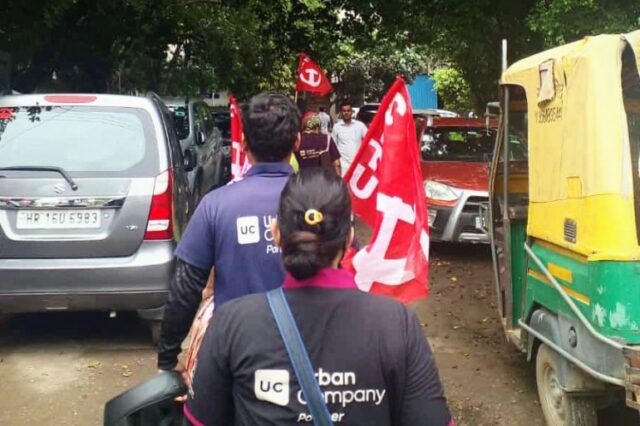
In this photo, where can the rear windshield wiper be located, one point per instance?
(59, 170)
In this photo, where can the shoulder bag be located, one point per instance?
(299, 357)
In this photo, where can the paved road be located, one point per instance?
(59, 369)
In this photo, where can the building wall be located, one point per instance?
(423, 92)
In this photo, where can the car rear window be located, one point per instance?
(458, 144)
(79, 139)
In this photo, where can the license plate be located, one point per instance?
(58, 219)
(479, 222)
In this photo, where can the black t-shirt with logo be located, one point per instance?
(372, 362)
(312, 146)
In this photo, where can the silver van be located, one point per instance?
(200, 138)
(93, 196)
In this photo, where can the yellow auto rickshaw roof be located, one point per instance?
(580, 165)
(593, 46)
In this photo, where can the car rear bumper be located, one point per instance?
(136, 282)
(461, 223)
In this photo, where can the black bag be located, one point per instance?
(151, 403)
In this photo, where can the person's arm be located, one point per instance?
(423, 401)
(185, 295)
(195, 255)
(338, 167)
(334, 155)
(210, 399)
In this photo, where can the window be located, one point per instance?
(458, 144)
(77, 138)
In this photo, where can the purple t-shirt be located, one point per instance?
(312, 146)
(231, 230)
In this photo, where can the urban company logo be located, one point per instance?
(272, 386)
(250, 231)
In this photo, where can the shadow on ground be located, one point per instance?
(86, 327)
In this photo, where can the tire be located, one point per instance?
(559, 407)
(155, 326)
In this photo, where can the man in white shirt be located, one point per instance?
(348, 134)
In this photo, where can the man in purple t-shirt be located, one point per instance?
(231, 227)
(315, 145)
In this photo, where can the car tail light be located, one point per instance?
(159, 223)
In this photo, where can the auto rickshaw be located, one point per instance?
(564, 222)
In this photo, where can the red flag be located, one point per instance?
(386, 188)
(239, 160)
(311, 78)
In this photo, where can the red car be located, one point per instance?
(456, 153)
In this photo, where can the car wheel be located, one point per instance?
(155, 326)
(560, 408)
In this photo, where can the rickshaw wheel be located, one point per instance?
(560, 408)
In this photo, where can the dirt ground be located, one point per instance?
(60, 368)
(487, 381)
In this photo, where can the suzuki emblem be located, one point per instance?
(59, 188)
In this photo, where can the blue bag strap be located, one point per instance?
(299, 357)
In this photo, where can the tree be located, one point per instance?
(452, 89)
(468, 36)
(82, 43)
(188, 46)
(563, 21)
(365, 75)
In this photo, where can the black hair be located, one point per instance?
(345, 103)
(307, 248)
(271, 123)
(321, 108)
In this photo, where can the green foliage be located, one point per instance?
(366, 75)
(453, 89)
(563, 21)
(190, 46)
(468, 36)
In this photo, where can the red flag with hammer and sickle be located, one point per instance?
(311, 78)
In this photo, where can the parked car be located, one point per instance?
(199, 137)
(455, 166)
(93, 196)
(222, 120)
(435, 113)
(366, 112)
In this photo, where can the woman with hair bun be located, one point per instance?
(370, 359)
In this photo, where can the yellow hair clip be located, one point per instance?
(313, 217)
